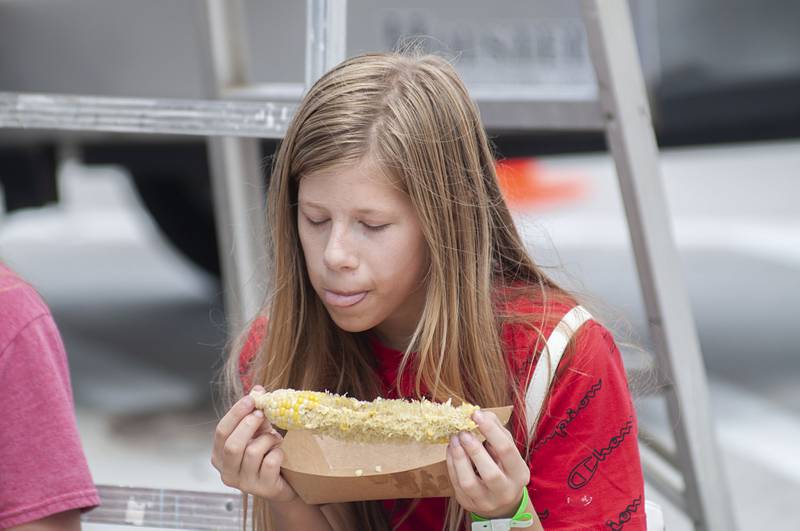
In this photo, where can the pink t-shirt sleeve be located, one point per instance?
(43, 470)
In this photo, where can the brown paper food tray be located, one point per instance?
(322, 469)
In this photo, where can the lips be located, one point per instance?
(344, 299)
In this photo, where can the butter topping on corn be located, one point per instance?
(355, 420)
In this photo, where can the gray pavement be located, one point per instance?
(143, 328)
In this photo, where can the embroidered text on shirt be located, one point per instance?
(625, 516)
(561, 428)
(583, 472)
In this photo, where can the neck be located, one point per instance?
(394, 341)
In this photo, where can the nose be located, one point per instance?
(339, 254)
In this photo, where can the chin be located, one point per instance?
(351, 324)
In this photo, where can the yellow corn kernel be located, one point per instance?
(380, 420)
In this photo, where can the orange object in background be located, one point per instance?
(526, 184)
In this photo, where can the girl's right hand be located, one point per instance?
(247, 453)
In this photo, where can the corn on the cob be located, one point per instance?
(354, 420)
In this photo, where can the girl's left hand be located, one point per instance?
(496, 490)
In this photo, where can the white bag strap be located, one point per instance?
(543, 376)
(545, 370)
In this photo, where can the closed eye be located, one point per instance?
(374, 228)
(315, 223)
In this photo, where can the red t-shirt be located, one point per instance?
(585, 466)
(42, 467)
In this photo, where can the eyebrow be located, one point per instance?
(362, 211)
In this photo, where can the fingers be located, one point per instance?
(247, 454)
(271, 479)
(494, 491)
(233, 434)
(234, 448)
(270, 466)
(491, 452)
(254, 455)
(490, 473)
(502, 444)
(460, 495)
(267, 428)
(267, 425)
(462, 473)
(232, 418)
(228, 423)
(491, 428)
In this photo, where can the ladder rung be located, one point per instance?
(167, 509)
(147, 116)
(542, 115)
(543, 93)
(510, 107)
(661, 475)
(507, 106)
(265, 91)
(656, 444)
(543, 107)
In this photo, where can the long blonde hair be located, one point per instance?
(412, 114)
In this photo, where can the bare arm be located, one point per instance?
(66, 521)
(537, 524)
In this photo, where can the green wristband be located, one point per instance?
(520, 516)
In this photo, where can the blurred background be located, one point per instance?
(118, 231)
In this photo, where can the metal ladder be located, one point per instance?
(619, 108)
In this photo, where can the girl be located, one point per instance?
(398, 272)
